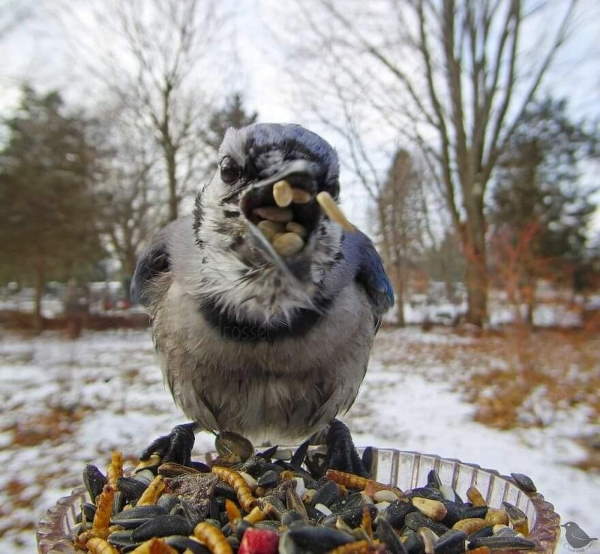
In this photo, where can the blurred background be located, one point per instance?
(468, 138)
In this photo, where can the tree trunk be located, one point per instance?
(473, 238)
(449, 286)
(530, 304)
(399, 291)
(172, 178)
(476, 293)
(128, 263)
(530, 308)
(38, 320)
(126, 284)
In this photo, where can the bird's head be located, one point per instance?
(267, 244)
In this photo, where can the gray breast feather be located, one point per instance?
(282, 390)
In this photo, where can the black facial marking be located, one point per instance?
(230, 327)
(231, 213)
(198, 216)
(236, 242)
(198, 213)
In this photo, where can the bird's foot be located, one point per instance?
(175, 447)
(341, 452)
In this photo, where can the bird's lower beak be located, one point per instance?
(282, 210)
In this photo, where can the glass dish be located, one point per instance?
(403, 469)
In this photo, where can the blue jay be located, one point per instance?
(249, 341)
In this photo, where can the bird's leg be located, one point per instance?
(174, 447)
(341, 452)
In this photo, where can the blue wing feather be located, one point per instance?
(360, 253)
(153, 261)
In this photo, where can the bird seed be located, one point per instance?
(258, 503)
(288, 244)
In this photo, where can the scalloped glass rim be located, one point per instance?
(404, 469)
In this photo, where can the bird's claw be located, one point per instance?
(175, 447)
(341, 452)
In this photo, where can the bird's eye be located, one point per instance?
(230, 170)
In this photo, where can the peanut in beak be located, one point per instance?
(286, 235)
(282, 194)
(333, 211)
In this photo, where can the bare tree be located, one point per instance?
(129, 190)
(399, 194)
(402, 223)
(128, 221)
(158, 58)
(451, 76)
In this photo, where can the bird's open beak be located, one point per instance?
(282, 210)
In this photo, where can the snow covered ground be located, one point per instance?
(66, 403)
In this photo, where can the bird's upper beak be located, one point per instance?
(282, 225)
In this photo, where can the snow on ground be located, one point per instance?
(411, 408)
(65, 404)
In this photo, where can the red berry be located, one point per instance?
(259, 541)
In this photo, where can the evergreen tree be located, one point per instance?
(233, 114)
(47, 210)
(538, 203)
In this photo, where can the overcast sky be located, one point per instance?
(38, 51)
